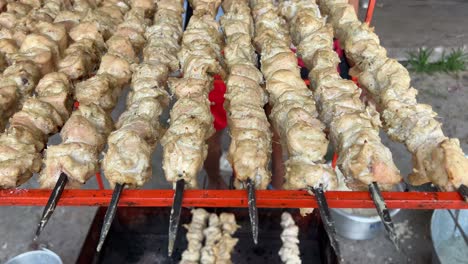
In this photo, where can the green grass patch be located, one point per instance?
(456, 61)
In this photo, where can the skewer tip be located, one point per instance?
(51, 203)
(253, 212)
(110, 214)
(175, 215)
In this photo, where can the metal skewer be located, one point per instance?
(457, 225)
(253, 213)
(326, 217)
(463, 190)
(110, 214)
(52, 203)
(383, 212)
(175, 215)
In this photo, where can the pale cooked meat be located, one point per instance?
(42, 58)
(133, 170)
(354, 131)
(195, 236)
(122, 47)
(8, 20)
(18, 8)
(294, 113)
(87, 30)
(40, 41)
(8, 98)
(138, 127)
(54, 88)
(212, 234)
(78, 160)
(56, 32)
(80, 59)
(68, 18)
(24, 75)
(191, 122)
(38, 116)
(8, 46)
(141, 119)
(436, 158)
(105, 23)
(250, 149)
(289, 251)
(116, 67)
(24, 139)
(101, 89)
(89, 124)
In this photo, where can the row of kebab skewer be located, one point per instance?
(54, 52)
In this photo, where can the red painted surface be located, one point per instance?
(235, 198)
(370, 11)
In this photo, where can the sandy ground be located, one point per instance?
(401, 25)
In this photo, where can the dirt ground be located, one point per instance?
(402, 25)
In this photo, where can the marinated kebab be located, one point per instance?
(294, 112)
(85, 133)
(289, 252)
(353, 127)
(195, 236)
(436, 158)
(191, 123)
(138, 127)
(40, 116)
(31, 45)
(250, 149)
(219, 242)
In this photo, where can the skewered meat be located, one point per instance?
(138, 127)
(225, 246)
(191, 121)
(250, 149)
(294, 113)
(195, 236)
(83, 136)
(17, 82)
(88, 128)
(289, 252)
(354, 130)
(212, 237)
(25, 138)
(436, 158)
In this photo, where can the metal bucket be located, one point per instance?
(448, 244)
(43, 256)
(358, 224)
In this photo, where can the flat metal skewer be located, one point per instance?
(51, 203)
(463, 190)
(326, 217)
(383, 212)
(110, 214)
(175, 215)
(253, 213)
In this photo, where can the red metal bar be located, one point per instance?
(99, 181)
(370, 11)
(235, 198)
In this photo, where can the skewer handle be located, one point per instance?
(175, 215)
